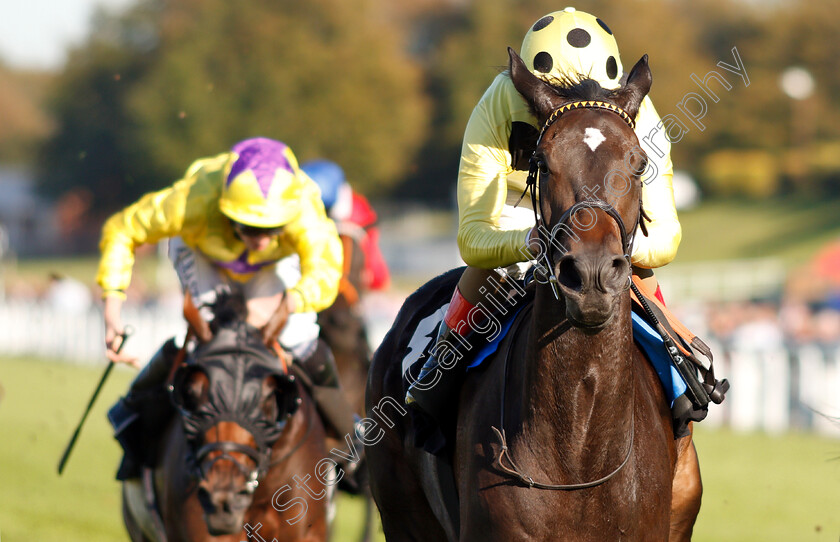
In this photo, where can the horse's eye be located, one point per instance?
(543, 166)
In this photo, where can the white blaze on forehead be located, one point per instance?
(593, 137)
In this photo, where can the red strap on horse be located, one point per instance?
(350, 293)
(282, 356)
(347, 247)
(345, 287)
(199, 326)
(196, 327)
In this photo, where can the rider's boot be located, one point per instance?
(337, 415)
(464, 329)
(141, 413)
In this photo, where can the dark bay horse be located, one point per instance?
(564, 433)
(343, 326)
(229, 465)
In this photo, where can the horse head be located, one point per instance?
(586, 169)
(235, 401)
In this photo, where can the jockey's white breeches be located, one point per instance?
(203, 281)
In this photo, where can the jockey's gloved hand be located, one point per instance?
(271, 330)
(114, 332)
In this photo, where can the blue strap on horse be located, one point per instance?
(679, 348)
(682, 347)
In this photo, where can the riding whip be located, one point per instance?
(124, 336)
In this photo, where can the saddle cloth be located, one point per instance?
(645, 336)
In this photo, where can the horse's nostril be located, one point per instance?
(620, 267)
(204, 498)
(568, 273)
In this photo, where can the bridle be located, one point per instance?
(260, 455)
(537, 168)
(252, 475)
(197, 423)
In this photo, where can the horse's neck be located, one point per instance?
(577, 388)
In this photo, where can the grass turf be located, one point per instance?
(757, 487)
(791, 230)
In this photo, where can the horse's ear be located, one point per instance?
(192, 388)
(630, 96)
(539, 94)
(280, 397)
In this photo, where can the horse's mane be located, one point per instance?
(580, 87)
(231, 331)
(230, 312)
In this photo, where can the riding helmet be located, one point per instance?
(263, 186)
(572, 44)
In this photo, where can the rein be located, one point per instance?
(535, 170)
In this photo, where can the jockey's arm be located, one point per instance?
(486, 174)
(664, 230)
(155, 216)
(316, 242)
(113, 331)
(483, 179)
(318, 246)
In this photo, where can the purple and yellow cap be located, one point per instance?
(262, 188)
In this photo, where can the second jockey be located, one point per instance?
(247, 220)
(354, 216)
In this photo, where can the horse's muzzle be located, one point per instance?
(591, 284)
(224, 511)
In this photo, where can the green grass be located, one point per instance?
(756, 487)
(791, 230)
(768, 488)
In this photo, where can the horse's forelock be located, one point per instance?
(580, 87)
(229, 310)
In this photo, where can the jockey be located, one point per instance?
(247, 220)
(499, 139)
(354, 216)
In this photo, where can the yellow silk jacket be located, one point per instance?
(190, 209)
(487, 180)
